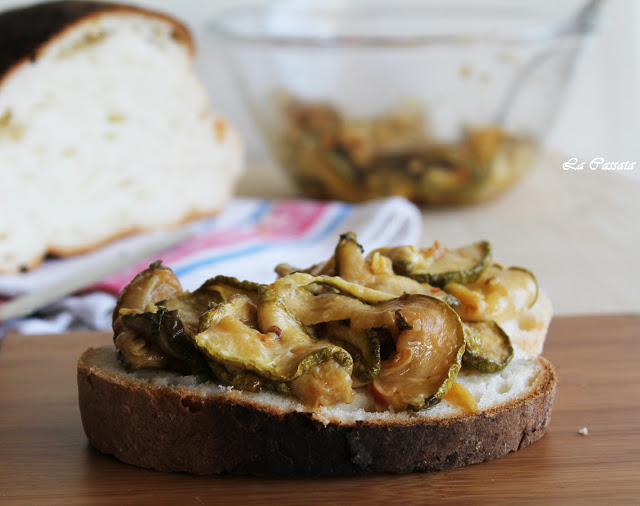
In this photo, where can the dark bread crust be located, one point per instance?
(26, 32)
(175, 429)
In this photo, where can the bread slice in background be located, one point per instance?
(169, 422)
(104, 130)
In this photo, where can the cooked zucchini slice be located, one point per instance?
(342, 301)
(376, 272)
(153, 284)
(499, 294)
(191, 306)
(348, 271)
(164, 336)
(438, 266)
(430, 339)
(349, 262)
(323, 268)
(320, 299)
(227, 286)
(427, 358)
(281, 351)
(136, 352)
(493, 350)
(364, 346)
(135, 332)
(472, 336)
(239, 306)
(246, 380)
(533, 294)
(324, 384)
(363, 293)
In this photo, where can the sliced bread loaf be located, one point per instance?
(104, 130)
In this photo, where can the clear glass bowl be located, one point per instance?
(445, 103)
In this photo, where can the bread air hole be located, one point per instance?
(504, 388)
(527, 321)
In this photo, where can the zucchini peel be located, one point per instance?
(491, 349)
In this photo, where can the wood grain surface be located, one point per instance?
(45, 457)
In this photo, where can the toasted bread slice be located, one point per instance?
(169, 422)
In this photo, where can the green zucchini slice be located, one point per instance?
(438, 268)
(246, 380)
(164, 335)
(349, 271)
(351, 266)
(428, 354)
(136, 352)
(151, 285)
(192, 305)
(227, 286)
(430, 339)
(280, 352)
(499, 294)
(533, 293)
(349, 262)
(364, 346)
(490, 349)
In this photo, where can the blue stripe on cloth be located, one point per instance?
(261, 208)
(260, 211)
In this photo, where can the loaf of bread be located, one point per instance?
(104, 130)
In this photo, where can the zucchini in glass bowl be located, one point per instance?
(443, 103)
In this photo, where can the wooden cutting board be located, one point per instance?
(45, 457)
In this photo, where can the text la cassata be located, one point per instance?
(597, 164)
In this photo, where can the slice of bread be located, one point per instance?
(528, 330)
(169, 422)
(104, 129)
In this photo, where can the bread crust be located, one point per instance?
(175, 428)
(26, 32)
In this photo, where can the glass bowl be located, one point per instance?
(445, 103)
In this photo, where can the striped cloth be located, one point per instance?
(247, 240)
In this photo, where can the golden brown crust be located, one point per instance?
(86, 248)
(173, 428)
(26, 32)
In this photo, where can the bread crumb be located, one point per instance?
(584, 431)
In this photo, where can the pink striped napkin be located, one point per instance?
(247, 240)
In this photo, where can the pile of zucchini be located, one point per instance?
(399, 321)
